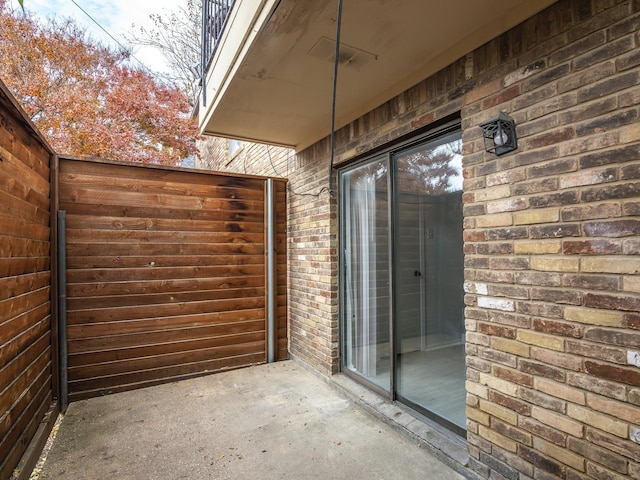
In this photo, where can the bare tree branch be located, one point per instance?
(176, 35)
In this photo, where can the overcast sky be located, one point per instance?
(115, 16)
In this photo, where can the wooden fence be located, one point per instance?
(166, 274)
(166, 278)
(27, 326)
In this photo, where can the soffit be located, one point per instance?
(280, 88)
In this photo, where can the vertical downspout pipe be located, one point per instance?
(271, 272)
(62, 309)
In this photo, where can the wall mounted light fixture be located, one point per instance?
(499, 134)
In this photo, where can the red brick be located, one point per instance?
(497, 330)
(550, 138)
(510, 431)
(422, 121)
(627, 376)
(518, 406)
(542, 462)
(543, 431)
(538, 369)
(612, 302)
(513, 376)
(474, 235)
(558, 328)
(502, 96)
(591, 247)
(632, 320)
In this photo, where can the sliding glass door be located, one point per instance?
(402, 275)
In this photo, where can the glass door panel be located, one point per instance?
(366, 319)
(401, 240)
(428, 278)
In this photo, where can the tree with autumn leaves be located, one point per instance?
(86, 98)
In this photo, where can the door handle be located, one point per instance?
(416, 273)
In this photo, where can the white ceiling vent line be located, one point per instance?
(325, 49)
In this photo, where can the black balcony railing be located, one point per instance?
(214, 18)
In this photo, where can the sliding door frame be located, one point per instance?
(448, 126)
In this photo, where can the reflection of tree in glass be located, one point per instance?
(433, 171)
(373, 173)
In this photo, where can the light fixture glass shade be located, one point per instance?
(499, 134)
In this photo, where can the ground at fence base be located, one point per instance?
(273, 421)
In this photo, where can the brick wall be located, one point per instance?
(214, 154)
(252, 158)
(313, 267)
(552, 241)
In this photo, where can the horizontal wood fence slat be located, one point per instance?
(165, 274)
(153, 324)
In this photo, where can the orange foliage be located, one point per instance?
(86, 99)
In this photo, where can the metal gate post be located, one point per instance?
(62, 309)
(271, 271)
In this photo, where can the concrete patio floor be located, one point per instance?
(269, 421)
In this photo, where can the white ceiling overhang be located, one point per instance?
(271, 77)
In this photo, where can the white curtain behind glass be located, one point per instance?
(360, 258)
